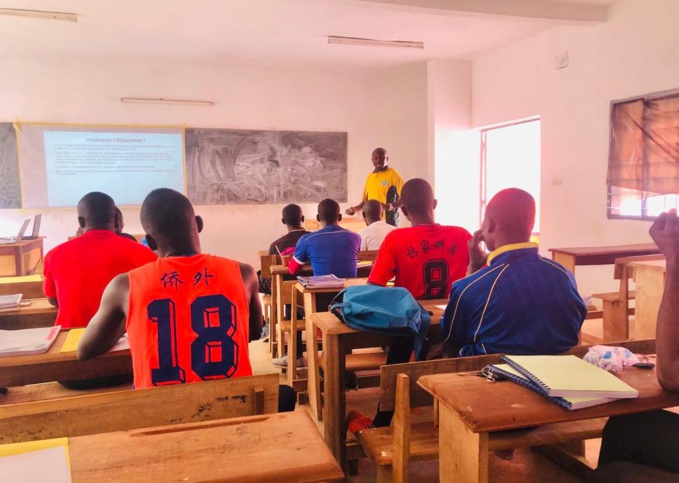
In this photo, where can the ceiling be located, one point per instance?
(275, 33)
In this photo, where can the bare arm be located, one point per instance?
(665, 233)
(108, 324)
(352, 210)
(251, 291)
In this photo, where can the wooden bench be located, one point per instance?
(392, 448)
(616, 307)
(273, 447)
(28, 285)
(39, 314)
(130, 409)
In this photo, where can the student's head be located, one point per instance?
(170, 223)
(328, 212)
(372, 211)
(292, 216)
(380, 159)
(119, 222)
(418, 202)
(96, 211)
(509, 218)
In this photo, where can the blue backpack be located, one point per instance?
(391, 311)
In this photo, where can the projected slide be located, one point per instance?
(66, 162)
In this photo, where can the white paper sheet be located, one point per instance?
(37, 466)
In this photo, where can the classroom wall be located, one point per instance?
(634, 53)
(377, 108)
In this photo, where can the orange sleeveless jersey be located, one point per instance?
(188, 321)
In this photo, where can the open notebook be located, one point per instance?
(506, 371)
(570, 376)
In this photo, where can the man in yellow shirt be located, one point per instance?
(384, 185)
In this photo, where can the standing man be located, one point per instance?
(384, 185)
(373, 235)
(77, 272)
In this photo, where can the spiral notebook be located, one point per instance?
(570, 376)
(505, 371)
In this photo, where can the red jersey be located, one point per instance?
(188, 321)
(425, 259)
(77, 272)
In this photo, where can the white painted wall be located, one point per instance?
(377, 108)
(634, 53)
(453, 147)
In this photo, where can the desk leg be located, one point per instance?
(463, 454)
(313, 381)
(334, 408)
(650, 284)
(568, 261)
(273, 320)
(292, 344)
(280, 336)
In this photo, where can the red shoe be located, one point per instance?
(358, 421)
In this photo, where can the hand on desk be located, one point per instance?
(442, 350)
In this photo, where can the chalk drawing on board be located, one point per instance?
(10, 184)
(234, 166)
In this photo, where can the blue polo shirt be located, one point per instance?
(331, 250)
(521, 303)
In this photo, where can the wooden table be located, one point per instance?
(649, 278)
(54, 365)
(275, 447)
(570, 257)
(28, 285)
(471, 409)
(338, 341)
(39, 314)
(20, 258)
(310, 299)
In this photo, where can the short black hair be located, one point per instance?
(97, 209)
(329, 211)
(292, 215)
(167, 213)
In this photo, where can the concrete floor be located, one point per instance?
(522, 466)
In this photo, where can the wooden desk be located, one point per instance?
(54, 365)
(20, 258)
(28, 285)
(570, 257)
(39, 314)
(471, 410)
(276, 447)
(338, 341)
(649, 278)
(310, 299)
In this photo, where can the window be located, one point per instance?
(510, 157)
(643, 157)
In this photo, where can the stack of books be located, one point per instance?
(11, 302)
(322, 281)
(569, 381)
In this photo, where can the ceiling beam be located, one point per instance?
(536, 9)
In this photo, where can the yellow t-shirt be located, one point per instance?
(377, 185)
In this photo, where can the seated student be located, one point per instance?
(162, 305)
(330, 250)
(520, 303)
(427, 257)
(643, 447)
(77, 272)
(373, 235)
(120, 224)
(293, 219)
